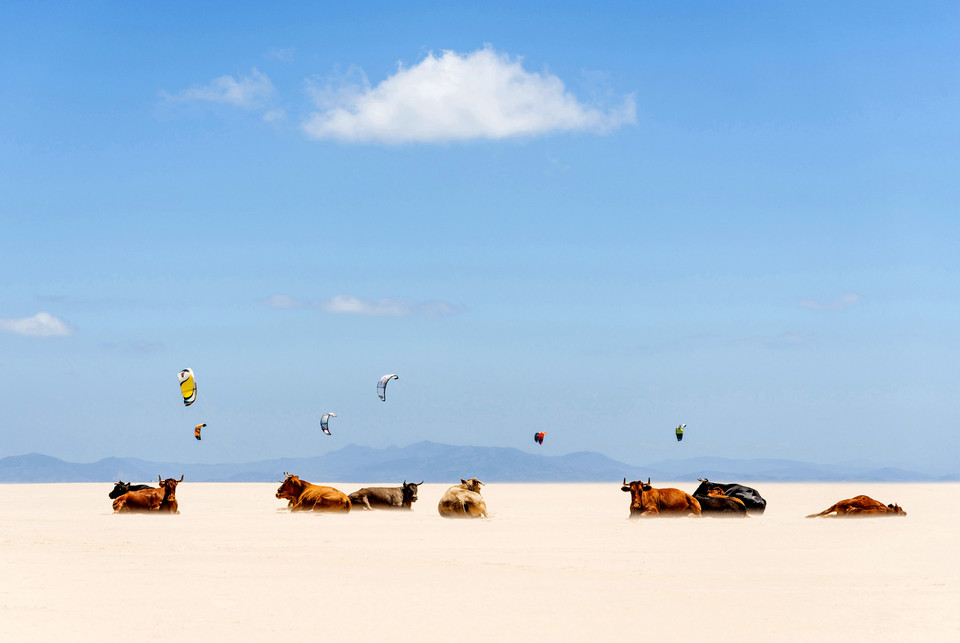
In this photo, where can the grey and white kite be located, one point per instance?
(382, 385)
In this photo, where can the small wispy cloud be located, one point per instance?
(137, 347)
(350, 305)
(248, 92)
(284, 302)
(40, 325)
(784, 339)
(478, 95)
(282, 54)
(844, 301)
(274, 115)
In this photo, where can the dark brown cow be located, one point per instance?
(163, 499)
(306, 496)
(752, 500)
(716, 503)
(860, 507)
(645, 501)
(401, 497)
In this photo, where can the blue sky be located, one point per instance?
(595, 222)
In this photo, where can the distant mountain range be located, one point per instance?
(434, 462)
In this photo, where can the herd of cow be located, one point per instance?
(465, 501)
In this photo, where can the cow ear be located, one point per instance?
(463, 481)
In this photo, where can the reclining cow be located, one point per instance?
(646, 502)
(163, 499)
(463, 501)
(401, 497)
(860, 507)
(717, 503)
(305, 496)
(753, 501)
(122, 487)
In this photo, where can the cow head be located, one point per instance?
(716, 492)
(291, 487)
(119, 489)
(896, 510)
(471, 485)
(636, 485)
(169, 487)
(409, 492)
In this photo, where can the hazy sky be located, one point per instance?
(597, 222)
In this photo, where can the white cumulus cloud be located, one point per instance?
(249, 92)
(40, 325)
(482, 94)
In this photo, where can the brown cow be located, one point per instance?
(717, 492)
(645, 501)
(716, 503)
(463, 501)
(163, 499)
(305, 496)
(860, 507)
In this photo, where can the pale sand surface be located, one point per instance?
(555, 562)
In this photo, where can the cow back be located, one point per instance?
(458, 502)
(721, 505)
(387, 497)
(141, 500)
(319, 498)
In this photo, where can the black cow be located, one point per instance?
(753, 501)
(122, 487)
(386, 497)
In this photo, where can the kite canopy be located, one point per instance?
(679, 431)
(382, 385)
(196, 430)
(538, 437)
(188, 386)
(324, 420)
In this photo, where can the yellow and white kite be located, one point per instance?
(188, 386)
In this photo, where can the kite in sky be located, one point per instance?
(382, 385)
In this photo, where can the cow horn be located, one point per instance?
(181, 477)
(420, 483)
(624, 481)
(404, 482)
(648, 481)
(160, 479)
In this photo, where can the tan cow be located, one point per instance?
(463, 501)
(646, 502)
(860, 507)
(163, 499)
(306, 496)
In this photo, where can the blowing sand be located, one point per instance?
(554, 562)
